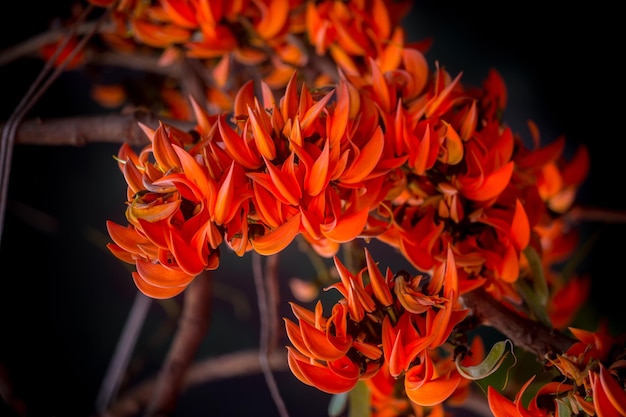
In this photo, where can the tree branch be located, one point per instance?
(527, 334)
(267, 314)
(212, 369)
(194, 323)
(79, 131)
(33, 45)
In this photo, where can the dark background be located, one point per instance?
(65, 298)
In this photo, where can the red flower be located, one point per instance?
(392, 322)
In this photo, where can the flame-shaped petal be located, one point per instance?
(424, 388)
(318, 376)
(609, 398)
(156, 292)
(278, 239)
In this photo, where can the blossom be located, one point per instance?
(170, 237)
(352, 31)
(609, 397)
(371, 330)
(277, 169)
(503, 407)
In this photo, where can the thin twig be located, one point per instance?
(36, 90)
(193, 326)
(123, 351)
(34, 44)
(273, 301)
(596, 214)
(264, 313)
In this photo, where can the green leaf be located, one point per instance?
(488, 366)
(337, 404)
(562, 408)
(359, 401)
(540, 285)
(532, 300)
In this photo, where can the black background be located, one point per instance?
(65, 299)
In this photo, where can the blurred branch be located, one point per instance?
(193, 325)
(50, 72)
(266, 289)
(32, 45)
(123, 351)
(79, 131)
(596, 214)
(212, 369)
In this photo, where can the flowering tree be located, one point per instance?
(322, 124)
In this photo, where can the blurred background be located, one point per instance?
(65, 298)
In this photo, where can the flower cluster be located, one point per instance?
(371, 143)
(390, 329)
(274, 36)
(436, 169)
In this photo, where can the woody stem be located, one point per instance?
(525, 333)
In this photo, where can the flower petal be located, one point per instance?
(278, 239)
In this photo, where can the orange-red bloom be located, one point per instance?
(371, 329)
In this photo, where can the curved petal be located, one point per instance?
(320, 345)
(488, 186)
(153, 291)
(608, 397)
(127, 238)
(278, 239)
(431, 392)
(319, 376)
(344, 368)
(520, 227)
(295, 337)
(499, 405)
(158, 275)
(365, 160)
(347, 227)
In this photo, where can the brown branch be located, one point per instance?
(596, 214)
(123, 351)
(33, 45)
(267, 314)
(193, 325)
(79, 131)
(527, 334)
(143, 62)
(212, 369)
(273, 301)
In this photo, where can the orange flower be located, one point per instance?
(609, 397)
(321, 357)
(170, 237)
(503, 407)
(428, 385)
(370, 329)
(352, 30)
